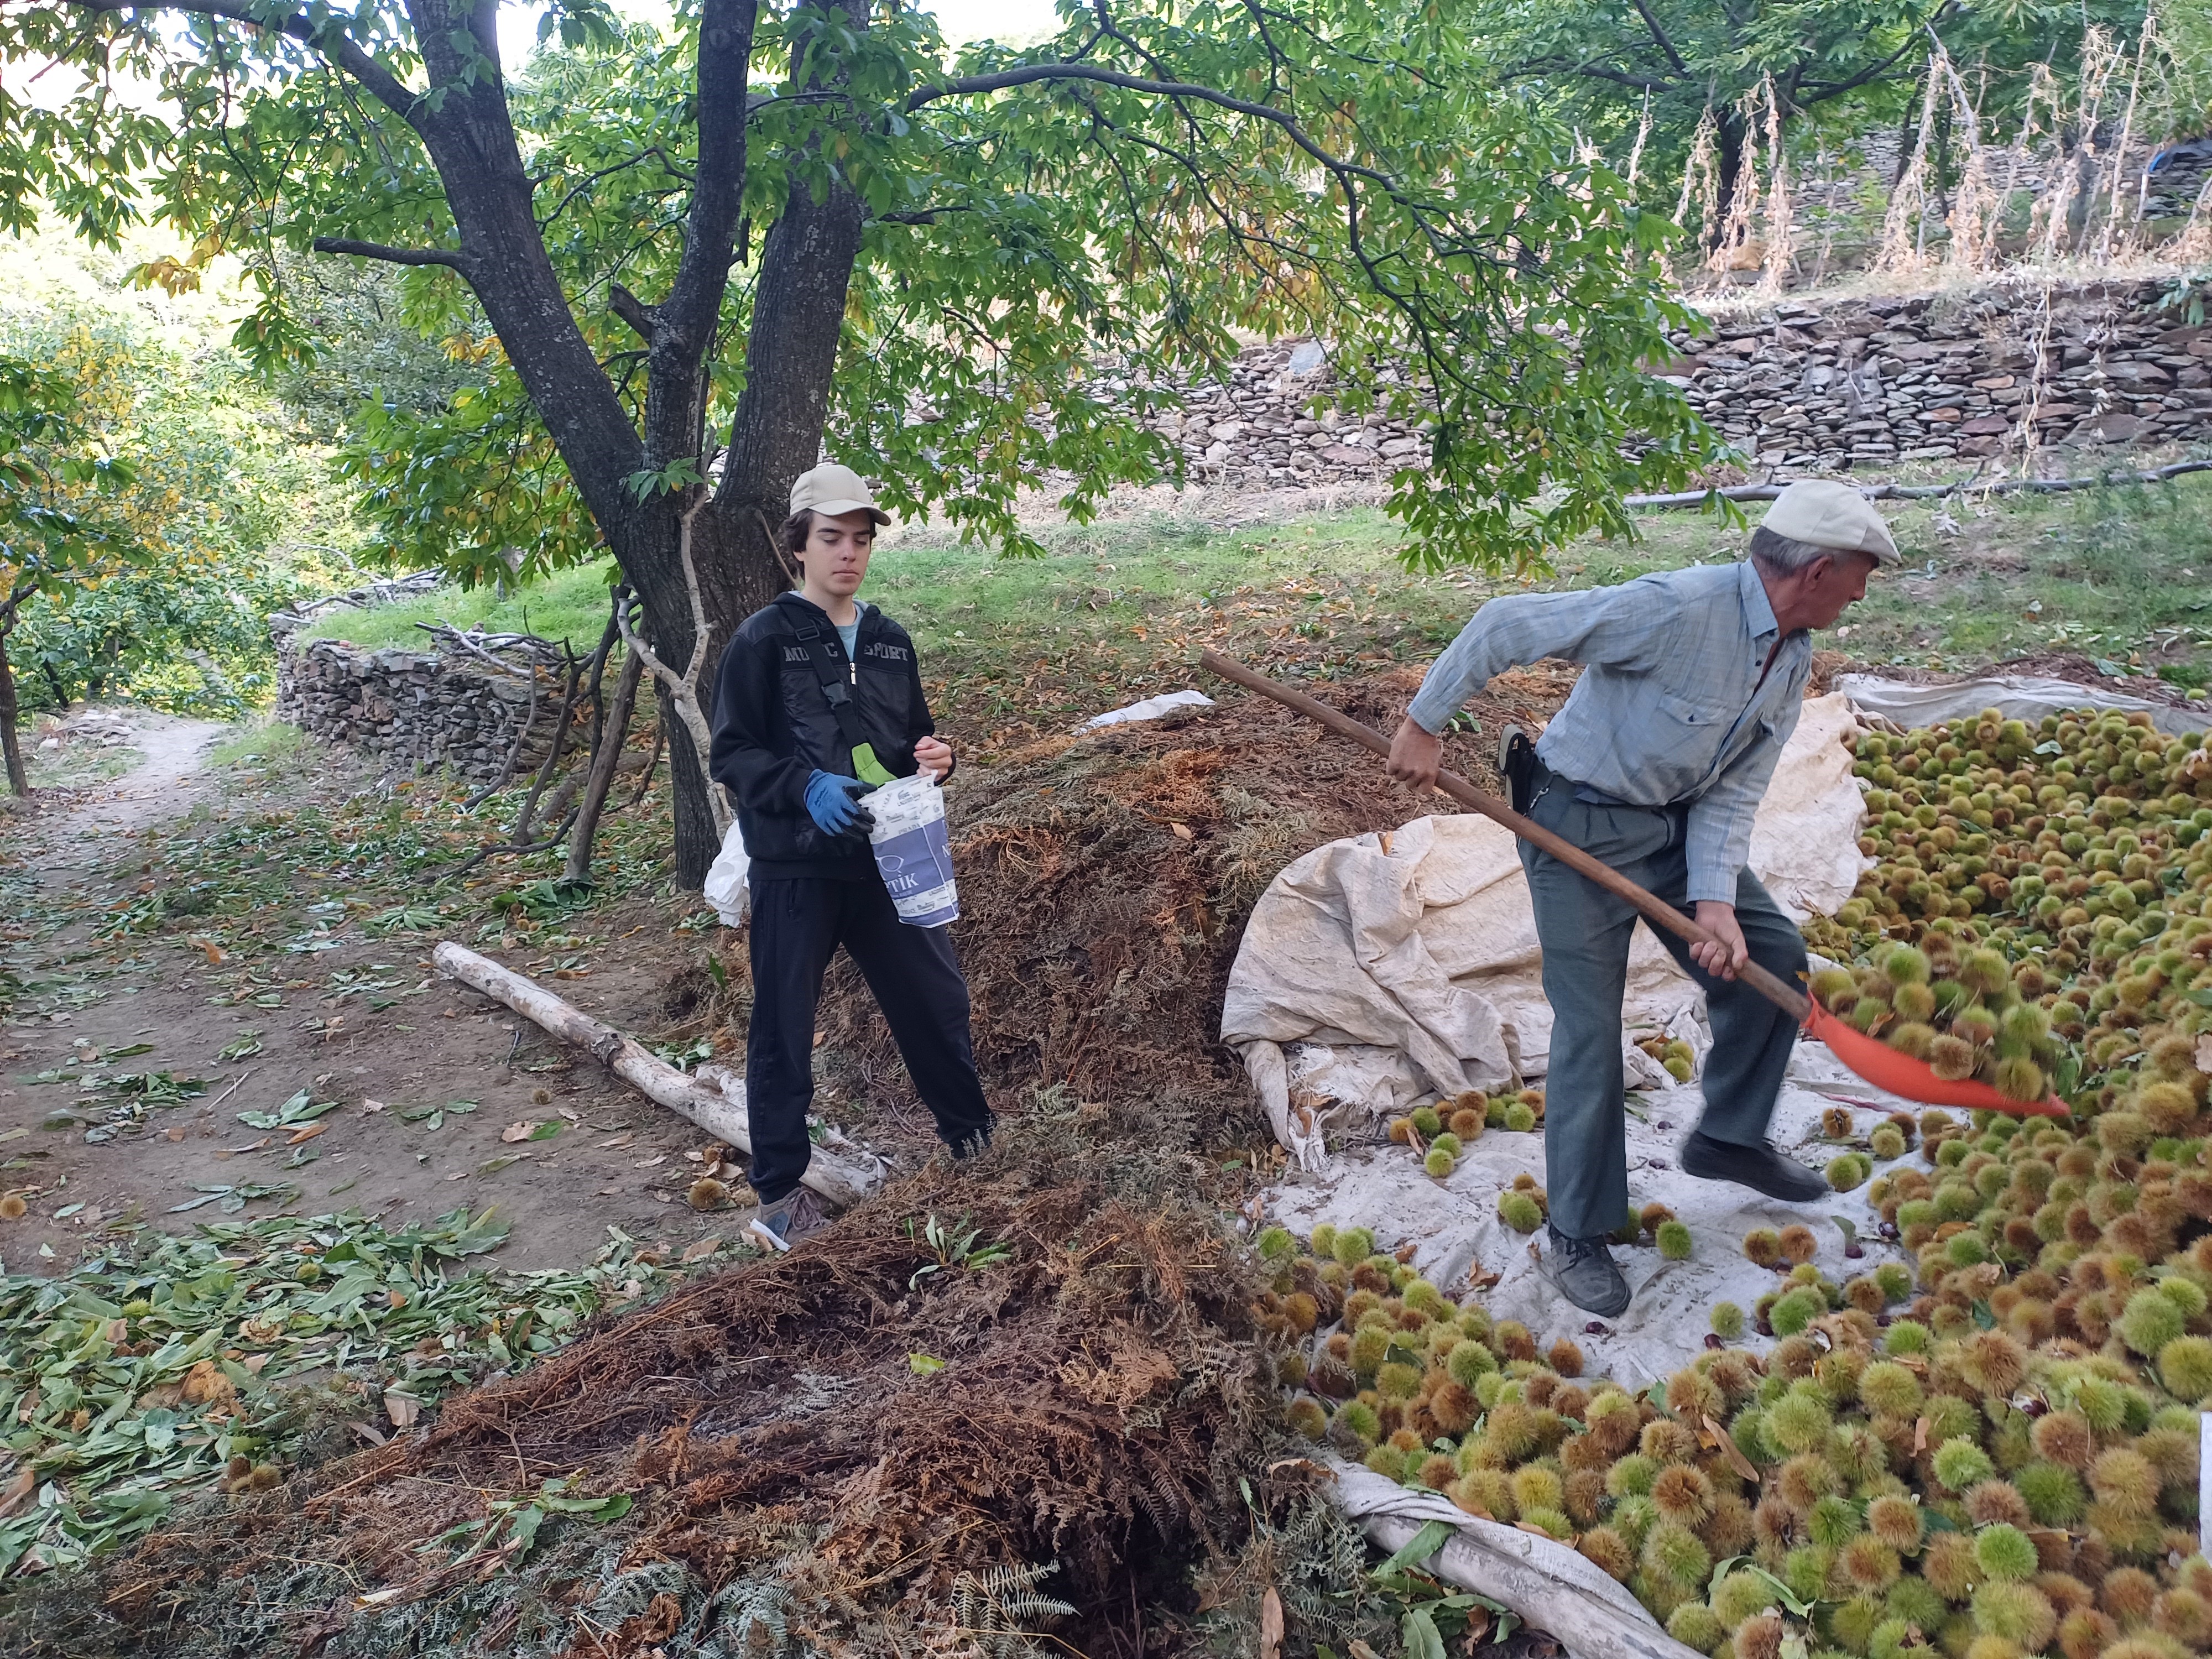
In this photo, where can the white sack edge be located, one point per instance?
(2016, 696)
(1554, 1588)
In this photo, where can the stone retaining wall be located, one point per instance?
(1864, 384)
(1838, 385)
(416, 709)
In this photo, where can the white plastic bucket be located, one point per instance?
(913, 850)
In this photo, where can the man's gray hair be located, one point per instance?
(1784, 554)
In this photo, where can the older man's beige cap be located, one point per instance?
(1830, 514)
(832, 489)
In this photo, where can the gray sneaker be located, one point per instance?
(1585, 1273)
(777, 1224)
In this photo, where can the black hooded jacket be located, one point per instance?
(773, 729)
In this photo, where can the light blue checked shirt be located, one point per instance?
(1677, 702)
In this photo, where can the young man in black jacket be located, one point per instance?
(819, 700)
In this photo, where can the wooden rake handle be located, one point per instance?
(1657, 912)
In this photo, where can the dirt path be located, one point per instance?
(129, 970)
(160, 788)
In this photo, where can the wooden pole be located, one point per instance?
(720, 1111)
(1656, 911)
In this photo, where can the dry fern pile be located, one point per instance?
(1105, 881)
(902, 1437)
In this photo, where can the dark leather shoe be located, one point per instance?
(1759, 1168)
(1584, 1272)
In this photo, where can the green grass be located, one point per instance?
(264, 739)
(2121, 575)
(571, 604)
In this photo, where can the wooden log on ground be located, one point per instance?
(716, 1102)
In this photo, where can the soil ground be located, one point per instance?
(331, 1010)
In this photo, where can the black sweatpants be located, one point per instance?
(798, 923)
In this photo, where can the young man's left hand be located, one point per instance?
(934, 756)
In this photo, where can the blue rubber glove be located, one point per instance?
(832, 802)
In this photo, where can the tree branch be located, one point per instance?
(1027, 74)
(684, 689)
(464, 263)
(634, 311)
(683, 323)
(329, 38)
(1659, 35)
(1640, 83)
(1820, 92)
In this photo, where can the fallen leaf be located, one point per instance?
(651, 1163)
(369, 1107)
(699, 1251)
(1271, 1624)
(306, 1131)
(172, 1134)
(369, 1431)
(401, 1408)
(520, 1130)
(19, 1490)
(1920, 1437)
(1742, 1465)
(1183, 833)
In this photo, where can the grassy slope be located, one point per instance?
(571, 604)
(1115, 611)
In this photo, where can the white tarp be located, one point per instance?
(2016, 696)
(1420, 943)
(1453, 1224)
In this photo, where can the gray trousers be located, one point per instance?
(1585, 934)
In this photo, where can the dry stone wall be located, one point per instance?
(1839, 385)
(1252, 431)
(1865, 384)
(416, 709)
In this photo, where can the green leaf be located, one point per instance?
(1417, 1629)
(300, 1109)
(1432, 1537)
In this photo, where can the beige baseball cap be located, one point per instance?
(1830, 514)
(832, 489)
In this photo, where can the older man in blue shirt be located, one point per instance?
(1691, 686)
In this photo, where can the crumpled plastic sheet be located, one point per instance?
(1552, 1587)
(1454, 1227)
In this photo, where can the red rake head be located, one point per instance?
(1883, 1067)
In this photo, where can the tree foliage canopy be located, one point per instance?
(1346, 171)
(1606, 65)
(683, 256)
